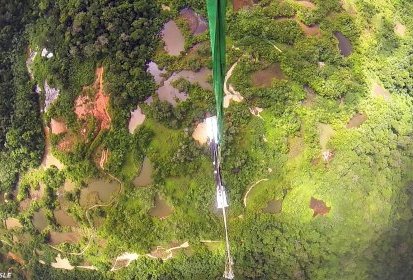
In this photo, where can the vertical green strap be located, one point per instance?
(216, 18)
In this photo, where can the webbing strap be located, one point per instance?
(216, 18)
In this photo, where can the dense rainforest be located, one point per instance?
(105, 172)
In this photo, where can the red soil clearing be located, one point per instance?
(319, 207)
(96, 107)
(65, 145)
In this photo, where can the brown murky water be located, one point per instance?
(263, 78)
(357, 120)
(273, 207)
(57, 238)
(170, 94)
(137, 118)
(197, 24)
(48, 158)
(156, 73)
(161, 209)
(173, 38)
(319, 207)
(145, 175)
(98, 190)
(39, 220)
(69, 186)
(344, 44)
(64, 219)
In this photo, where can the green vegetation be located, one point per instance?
(304, 142)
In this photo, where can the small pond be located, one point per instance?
(173, 38)
(145, 174)
(344, 44)
(161, 209)
(98, 191)
(263, 78)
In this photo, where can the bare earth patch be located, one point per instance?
(57, 127)
(12, 223)
(319, 207)
(62, 263)
(200, 133)
(66, 144)
(379, 91)
(96, 106)
(313, 30)
(400, 29)
(256, 111)
(230, 92)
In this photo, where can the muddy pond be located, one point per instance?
(56, 238)
(98, 191)
(197, 24)
(170, 94)
(173, 38)
(273, 206)
(145, 174)
(357, 120)
(161, 209)
(48, 158)
(64, 219)
(137, 118)
(39, 220)
(264, 78)
(319, 207)
(156, 73)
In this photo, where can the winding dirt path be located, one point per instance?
(252, 186)
(230, 92)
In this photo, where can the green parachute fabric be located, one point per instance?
(216, 18)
